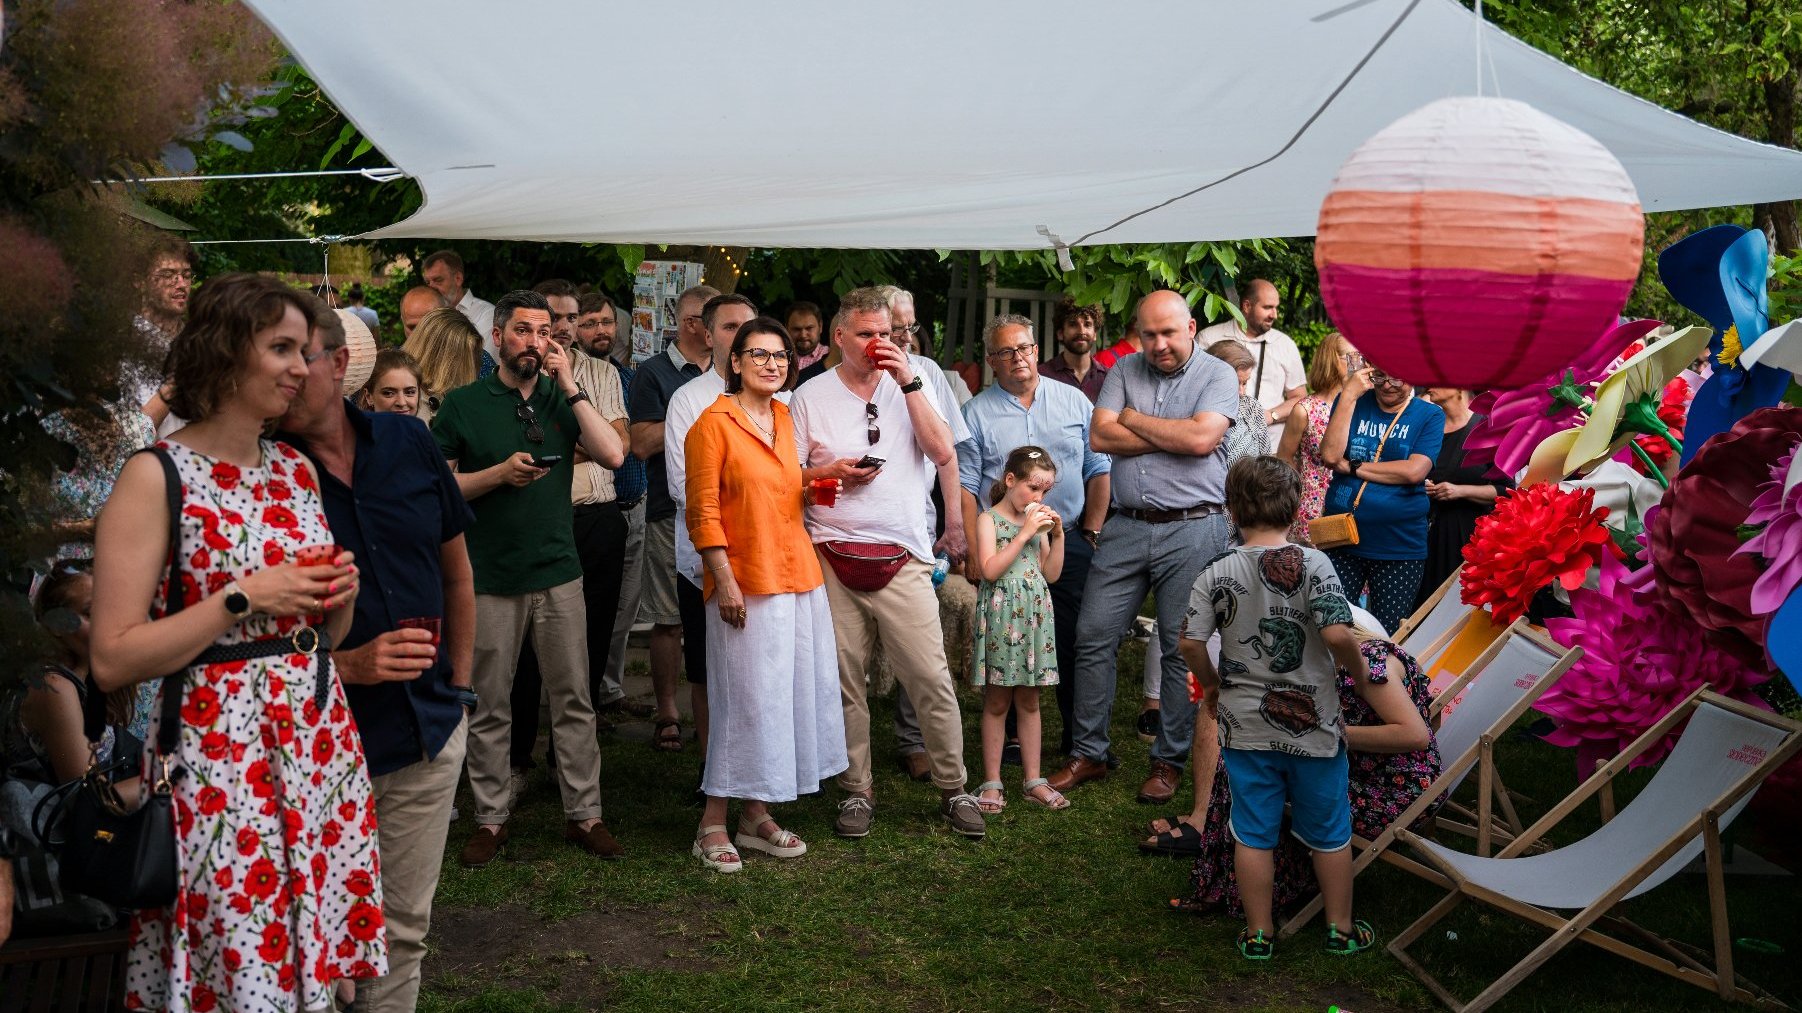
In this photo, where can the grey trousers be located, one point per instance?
(631, 586)
(1135, 557)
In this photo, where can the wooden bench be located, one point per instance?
(64, 974)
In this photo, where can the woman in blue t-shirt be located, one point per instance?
(1375, 411)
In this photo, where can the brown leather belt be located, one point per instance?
(1171, 516)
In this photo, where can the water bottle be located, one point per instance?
(941, 566)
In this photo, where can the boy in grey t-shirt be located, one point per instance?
(1284, 622)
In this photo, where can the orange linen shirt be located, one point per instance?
(745, 495)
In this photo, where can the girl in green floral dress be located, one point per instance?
(1019, 548)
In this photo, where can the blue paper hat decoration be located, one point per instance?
(1719, 274)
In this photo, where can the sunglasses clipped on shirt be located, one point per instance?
(534, 432)
(871, 429)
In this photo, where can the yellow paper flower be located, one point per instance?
(1730, 347)
(1645, 373)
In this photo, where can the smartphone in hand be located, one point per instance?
(871, 461)
(546, 461)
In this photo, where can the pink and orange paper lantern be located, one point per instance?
(1478, 243)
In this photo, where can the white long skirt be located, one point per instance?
(777, 723)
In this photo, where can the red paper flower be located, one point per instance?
(1694, 533)
(1535, 536)
(1673, 411)
(1640, 659)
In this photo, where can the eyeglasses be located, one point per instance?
(316, 356)
(171, 274)
(1385, 380)
(524, 413)
(910, 330)
(762, 356)
(1016, 352)
(871, 429)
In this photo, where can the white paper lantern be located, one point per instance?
(362, 351)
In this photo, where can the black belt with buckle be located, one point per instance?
(308, 640)
(627, 504)
(1172, 516)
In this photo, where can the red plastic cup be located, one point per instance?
(869, 350)
(431, 624)
(825, 491)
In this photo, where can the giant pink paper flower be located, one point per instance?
(1517, 420)
(1780, 542)
(1640, 659)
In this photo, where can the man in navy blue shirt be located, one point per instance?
(390, 498)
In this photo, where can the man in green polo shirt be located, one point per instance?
(510, 438)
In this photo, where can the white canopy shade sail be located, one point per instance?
(935, 124)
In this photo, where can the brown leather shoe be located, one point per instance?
(1160, 787)
(1079, 770)
(916, 766)
(596, 840)
(482, 846)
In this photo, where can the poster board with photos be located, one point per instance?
(655, 289)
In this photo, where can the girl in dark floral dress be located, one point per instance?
(1383, 784)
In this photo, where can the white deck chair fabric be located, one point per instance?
(1444, 615)
(1713, 752)
(1513, 673)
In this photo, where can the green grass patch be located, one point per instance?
(1053, 911)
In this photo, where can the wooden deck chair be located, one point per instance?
(1724, 753)
(1506, 681)
(1440, 612)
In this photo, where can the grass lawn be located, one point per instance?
(1052, 911)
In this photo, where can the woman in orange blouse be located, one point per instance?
(772, 664)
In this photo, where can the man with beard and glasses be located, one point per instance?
(511, 439)
(600, 539)
(1077, 329)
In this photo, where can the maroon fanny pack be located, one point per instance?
(865, 566)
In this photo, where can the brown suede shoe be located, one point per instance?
(916, 766)
(1079, 770)
(1160, 787)
(482, 846)
(596, 840)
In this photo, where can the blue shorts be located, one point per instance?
(1316, 788)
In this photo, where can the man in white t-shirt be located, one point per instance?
(873, 404)
(722, 316)
(949, 398)
(1280, 380)
(443, 271)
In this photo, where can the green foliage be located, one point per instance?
(89, 89)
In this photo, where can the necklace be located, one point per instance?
(769, 432)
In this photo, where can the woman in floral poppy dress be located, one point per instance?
(279, 895)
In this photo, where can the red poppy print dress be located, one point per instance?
(275, 825)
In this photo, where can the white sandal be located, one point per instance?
(722, 858)
(782, 844)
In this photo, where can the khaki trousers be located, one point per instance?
(558, 620)
(411, 809)
(905, 614)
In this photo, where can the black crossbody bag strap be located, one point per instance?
(168, 732)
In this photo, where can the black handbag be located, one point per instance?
(126, 857)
